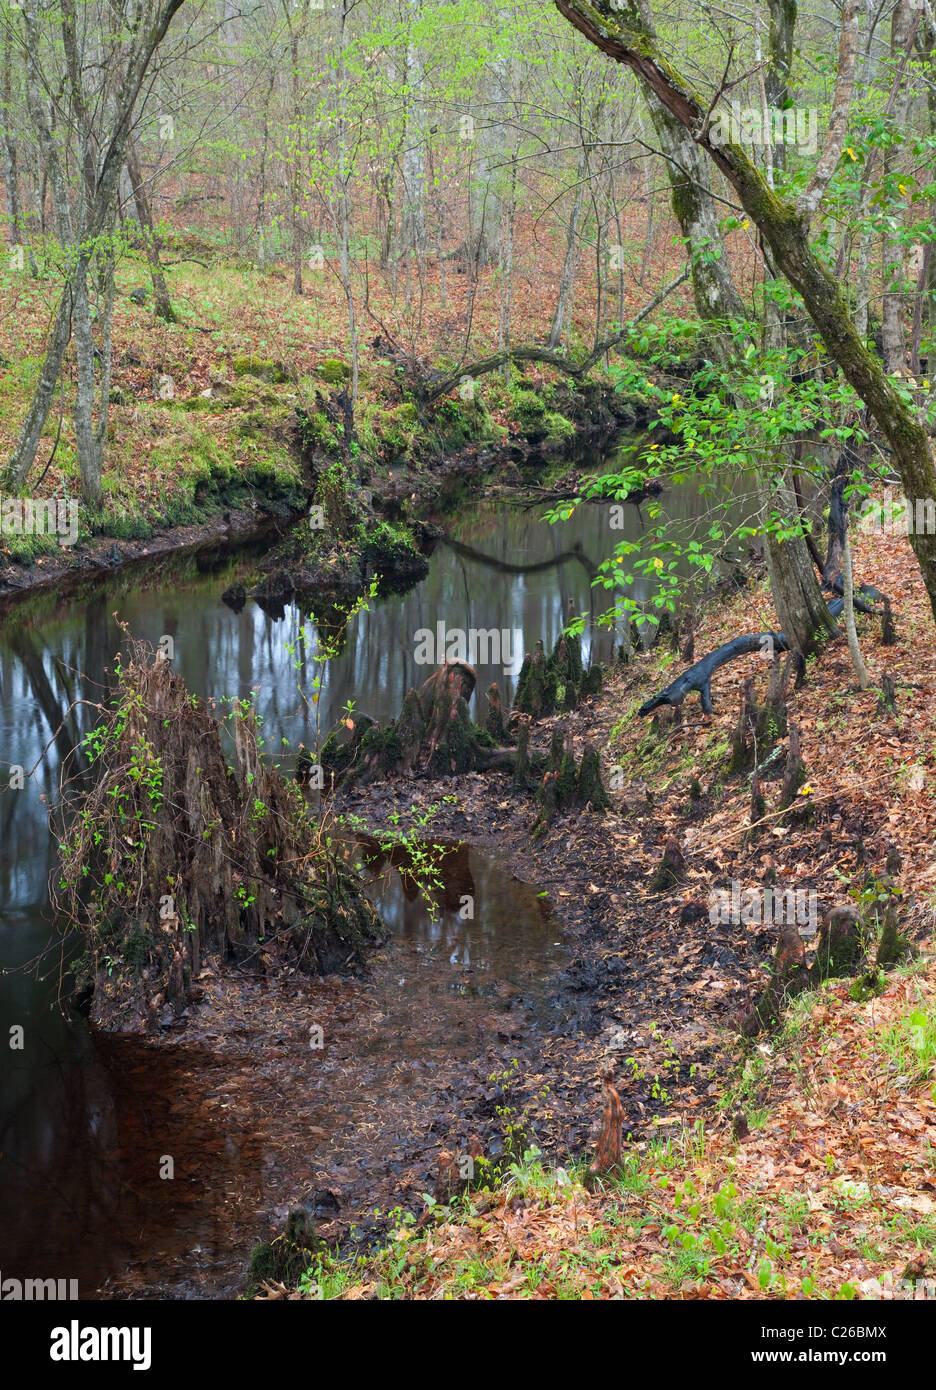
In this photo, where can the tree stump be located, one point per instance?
(494, 718)
(608, 1149)
(565, 779)
(286, 1258)
(887, 700)
(548, 803)
(838, 946)
(591, 789)
(522, 769)
(744, 736)
(888, 630)
(794, 772)
(671, 870)
(536, 686)
(789, 978)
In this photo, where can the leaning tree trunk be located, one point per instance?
(24, 454)
(793, 583)
(625, 36)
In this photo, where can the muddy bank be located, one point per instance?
(642, 984)
(230, 529)
(394, 507)
(336, 1094)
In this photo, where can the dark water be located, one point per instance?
(82, 1117)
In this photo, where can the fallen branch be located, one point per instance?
(699, 676)
(559, 360)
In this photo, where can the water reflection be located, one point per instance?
(82, 1118)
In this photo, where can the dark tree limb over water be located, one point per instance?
(561, 361)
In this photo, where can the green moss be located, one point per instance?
(261, 368)
(249, 392)
(386, 744)
(342, 506)
(394, 433)
(285, 1259)
(127, 527)
(25, 550)
(387, 544)
(334, 370)
(528, 408)
(557, 426)
(459, 422)
(317, 433)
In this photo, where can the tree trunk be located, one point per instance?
(27, 443)
(848, 585)
(568, 265)
(784, 226)
(163, 305)
(89, 455)
(903, 28)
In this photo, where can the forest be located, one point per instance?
(468, 663)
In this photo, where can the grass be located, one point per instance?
(262, 352)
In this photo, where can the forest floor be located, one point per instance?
(202, 414)
(794, 1164)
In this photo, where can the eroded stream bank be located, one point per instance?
(247, 1116)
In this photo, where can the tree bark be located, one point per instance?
(624, 36)
(904, 23)
(163, 304)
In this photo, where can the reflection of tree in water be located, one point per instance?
(506, 923)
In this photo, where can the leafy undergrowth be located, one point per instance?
(203, 411)
(830, 1195)
(812, 1173)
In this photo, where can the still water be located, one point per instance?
(79, 1112)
